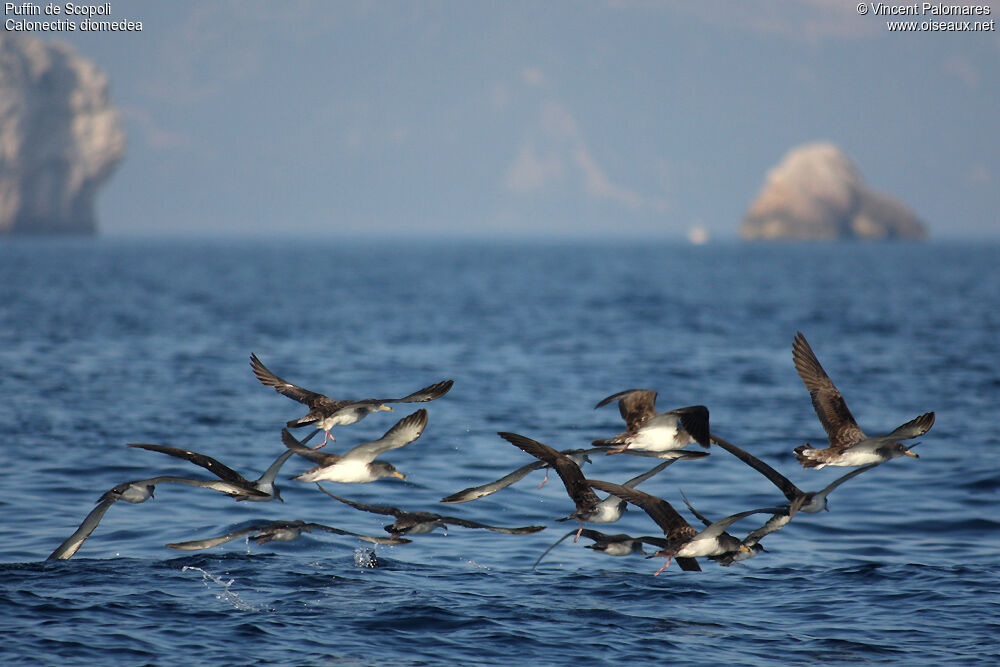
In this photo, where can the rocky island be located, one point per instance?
(60, 137)
(817, 193)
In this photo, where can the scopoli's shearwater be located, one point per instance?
(137, 491)
(651, 431)
(849, 446)
(750, 545)
(263, 489)
(281, 531)
(589, 507)
(612, 545)
(812, 501)
(685, 541)
(358, 465)
(415, 523)
(326, 412)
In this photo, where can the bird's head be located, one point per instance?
(383, 469)
(894, 449)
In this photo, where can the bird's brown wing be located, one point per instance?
(284, 387)
(666, 517)
(366, 538)
(635, 405)
(322, 458)
(215, 467)
(569, 472)
(838, 422)
(475, 492)
(523, 530)
(783, 483)
(429, 393)
(914, 428)
(374, 509)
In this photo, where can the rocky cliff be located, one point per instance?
(60, 138)
(817, 193)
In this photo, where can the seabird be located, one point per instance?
(649, 430)
(415, 523)
(137, 491)
(752, 540)
(750, 545)
(811, 501)
(326, 412)
(589, 507)
(281, 531)
(579, 456)
(849, 446)
(684, 541)
(263, 489)
(358, 465)
(612, 545)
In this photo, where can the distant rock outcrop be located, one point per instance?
(816, 193)
(60, 138)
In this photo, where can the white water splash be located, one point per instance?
(229, 596)
(475, 565)
(365, 557)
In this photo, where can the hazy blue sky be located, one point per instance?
(617, 117)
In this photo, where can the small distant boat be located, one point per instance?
(698, 235)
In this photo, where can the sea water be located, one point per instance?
(106, 342)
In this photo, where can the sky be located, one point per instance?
(591, 119)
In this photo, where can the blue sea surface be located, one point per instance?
(106, 342)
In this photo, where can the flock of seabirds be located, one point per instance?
(660, 435)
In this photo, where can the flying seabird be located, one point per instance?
(358, 465)
(612, 545)
(649, 430)
(750, 545)
(589, 507)
(812, 501)
(415, 523)
(849, 446)
(281, 531)
(137, 491)
(326, 412)
(264, 489)
(579, 456)
(684, 541)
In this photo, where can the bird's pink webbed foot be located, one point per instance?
(665, 566)
(326, 438)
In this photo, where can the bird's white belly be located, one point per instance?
(658, 438)
(348, 472)
(285, 534)
(857, 457)
(339, 419)
(608, 511)
(814, 505)
(619, 548)
(136, 494)
(421, 528)
(705, 547)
